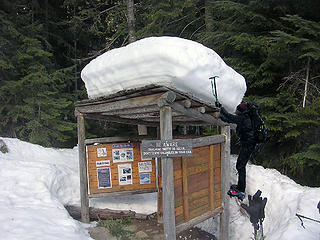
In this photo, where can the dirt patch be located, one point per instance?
(150, 229)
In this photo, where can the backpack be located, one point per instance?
(259, 128)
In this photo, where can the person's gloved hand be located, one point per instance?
(255, 209)
(218, 105)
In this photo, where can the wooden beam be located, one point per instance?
(200, 109)
(142, 130)
(83, 170)
(197, 115)
(136, 110)
(106, 140)
(167, 174)
(124, 193)
(225, 185)
(121, 120)
(184, 226)
(143, 101)
(206, 141)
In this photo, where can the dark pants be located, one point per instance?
(244, 156)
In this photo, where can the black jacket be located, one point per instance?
(244, 128)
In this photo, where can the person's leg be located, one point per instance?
(243, 158)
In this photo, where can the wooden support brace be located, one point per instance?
(83, 170)
(225, 184)
(169, 223)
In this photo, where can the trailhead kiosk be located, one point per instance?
(191, 176)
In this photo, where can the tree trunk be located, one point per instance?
(208, 15)
(97, 213)
(131, 20)
(306, 84)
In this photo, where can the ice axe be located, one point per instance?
(214, 90)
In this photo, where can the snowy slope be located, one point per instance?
(36, 182)
(166, 61)
(285, 199)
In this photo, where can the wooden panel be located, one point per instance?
(185, 189)
(93, 160)
(197, 183)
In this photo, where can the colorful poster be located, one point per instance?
(101, 152)
(145, 166)
(125, 174)
(145, 178)
(122, 155)
(104, 178)
(103, 163)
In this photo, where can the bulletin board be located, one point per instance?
(117, 167)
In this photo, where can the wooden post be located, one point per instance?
(83, 170)
(169, 224)
(225, 184)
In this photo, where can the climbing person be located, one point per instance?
(245, 132)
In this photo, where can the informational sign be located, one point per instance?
(101, 152)
(166, 148)
(122, 145)
(103, 163)
(145, 166)
(122, 155)
(145, 178)
(104, 178)
(125, 174)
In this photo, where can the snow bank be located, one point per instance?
(35, 183)
(285, 199)
(165, 61)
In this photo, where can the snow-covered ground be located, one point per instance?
(36, 182)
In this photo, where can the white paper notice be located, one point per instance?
(145, 166)
(125, 174)
(101, 152)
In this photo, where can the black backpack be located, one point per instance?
(259, 128)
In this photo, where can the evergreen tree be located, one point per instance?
(33, 107)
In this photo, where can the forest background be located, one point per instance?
(274, 44)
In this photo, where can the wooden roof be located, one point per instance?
(141, 106)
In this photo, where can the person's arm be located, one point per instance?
(230, 118)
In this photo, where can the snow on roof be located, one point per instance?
(172, 62)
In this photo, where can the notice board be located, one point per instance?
(117, 167)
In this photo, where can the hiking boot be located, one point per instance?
(233, 186)
(236, 193)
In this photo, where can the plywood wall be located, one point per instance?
(197, 183)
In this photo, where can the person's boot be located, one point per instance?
(236, 193)
(233, 186)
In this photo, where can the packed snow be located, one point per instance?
(172, 62)
(36, 183)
